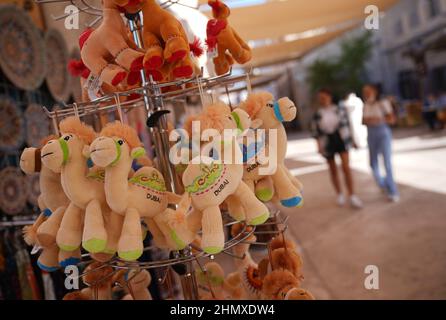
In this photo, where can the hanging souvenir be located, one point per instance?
(11, 124)
(13, 191)
(37, 125)
(57, 77)
(22, 50)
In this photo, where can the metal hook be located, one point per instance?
(76, 110)
(118, 107)
(208, 281)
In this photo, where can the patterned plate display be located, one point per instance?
(75, 84)
(57, 77)
(13, 191)
(22, 50)
(11, 124)
(37, 125)
(33, 188)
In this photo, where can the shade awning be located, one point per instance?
(269, 23)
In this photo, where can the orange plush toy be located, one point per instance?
(164, 40)
(107, 51)
(221, 38)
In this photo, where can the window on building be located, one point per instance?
(433, 7)
(409, 84)
(438, 79)
(399, 27)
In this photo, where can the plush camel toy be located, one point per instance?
(210, 281)
(222, 38)
(99, 278)
(143, 196)
(165, 40)
(210, 181)
(283, 257)
(136, 281)
(52, 202)
(84, 294)
(214, 285)
(107, 51)
(261, 106)
(84, 189)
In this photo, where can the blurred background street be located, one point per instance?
(404, 240)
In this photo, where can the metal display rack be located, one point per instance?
(152, 98)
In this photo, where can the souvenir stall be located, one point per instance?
(121, 179)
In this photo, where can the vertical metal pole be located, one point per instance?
(160, 140)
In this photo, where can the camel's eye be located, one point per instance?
(120, 142)
(270, 105)
(67, 138)
(230, 118)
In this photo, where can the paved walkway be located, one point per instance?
(406, 241)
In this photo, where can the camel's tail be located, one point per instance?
(196, 48)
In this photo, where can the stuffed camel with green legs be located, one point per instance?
(279, 182)
(210, 181)
(144, 195)
(52, 202)
(84, 189)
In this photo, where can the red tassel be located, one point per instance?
(77, 68)
(196, 48)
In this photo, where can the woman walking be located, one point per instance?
(331, 129)
(377, 116)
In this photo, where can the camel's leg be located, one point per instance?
(48, 259)
(114, 227)
(213, 239)
(130, 246)
(113, 75)
(69, 258)
(287, 193)
(296, 182)
(183, 68)
(47, 232)
(256, 211)
(125, 56)
(175, 228)
(108, 73)
(176, 47)
(94, 238)
(239, 50)
(193, 219)
(264, 189)
(223, 61)
(153, 58)
(69, 235)
(235, 208)
(161, 74)
(158, 237)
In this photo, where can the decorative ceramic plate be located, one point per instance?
(75, 84)
(57, 77)
(37, 125)
(33, 188)
(22, 50)
(11, 125)
(13, 191)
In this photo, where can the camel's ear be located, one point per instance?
(256, 123)
(137, 152)
(86, 151)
